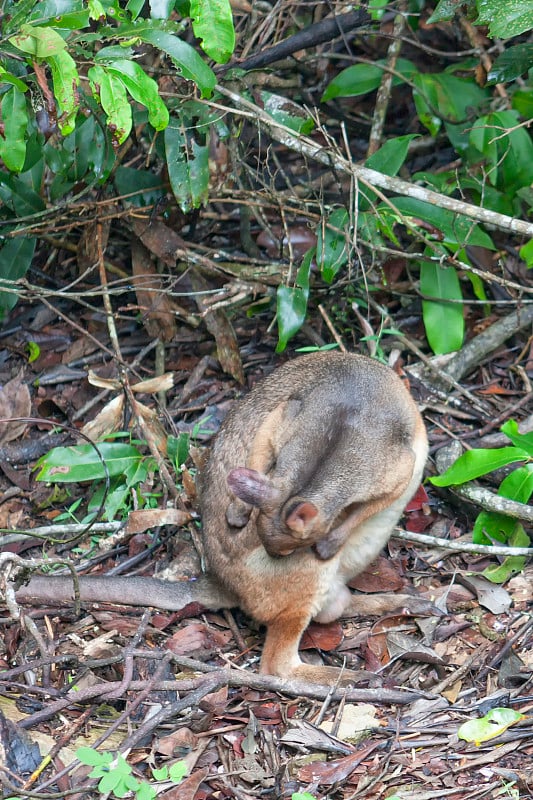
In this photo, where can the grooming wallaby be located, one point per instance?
(304, 484)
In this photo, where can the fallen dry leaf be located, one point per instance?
(15, 401)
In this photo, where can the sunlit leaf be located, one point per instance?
(15, 118)
(495, 722)
(443, 321)
(143, 89)
(66, 80)
(212, 23)
(475, 463)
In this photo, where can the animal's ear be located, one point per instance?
(253, 487)
(301, 516)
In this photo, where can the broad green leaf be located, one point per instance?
(495, 722)
(188, 169)
(138, 186)
(445, 10)
(363, 78)
(66, 14)
(523, 440)
(96, 10)
(287, 112)
(475, 463)
(38, 42)
(143, 89)
(82, 462)
(212, 23)
(178, 771)
(482, 138)
(491, 527)
(505, 144)
(456, 228)
(7, 77)
(291, 308)
(512, 63)
(511, 565)
(441, 95)
(332, 244)
(526, 252)
(506, 18)
(186, 60)
(91, 757)
(159, 9)
(66, 81)
(18, 196)
(15, 117)
(15, 259)
(522, 101)
(387, 160)
(114, 100)
(145, 791)
(443, 321)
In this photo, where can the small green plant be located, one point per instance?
(489, 526)
(302, 796)
(122, 463)
(116, 776)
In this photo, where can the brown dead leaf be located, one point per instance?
(215, 702)
(144, 519)
(197, 636)
(177, 743)
(322, 637)
(155, 304)
(380, 576)
(108, 420)
(326, 773)
(187, 789)
(15, 401)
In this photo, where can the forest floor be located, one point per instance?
(164, 688)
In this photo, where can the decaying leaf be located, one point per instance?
(156, 306)
(15, 401)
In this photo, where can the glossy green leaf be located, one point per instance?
(333, 244)
(445, 10)
(138, 186)
(291, 307)
(526, 252)
(134, 8)
(186, 60)
(66, 81)
(38, 42)
(388, 160)
(444, 320)
(96, 10)
(363, 78)
(455, 228)
(188, 169)
(82, 462)
(7, 77)
(13, 142)
(522, 101)
(512, 63)
(507, 148)
(511, 565)
(114, 100)
(442, 95)
(495, 722)
(16, 256)
(506, 18)
(143, 89)
(66, 14)
(474, 463)
(522, 440)
(287, 113)
(212, 23)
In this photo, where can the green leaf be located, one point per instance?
(511, 565)
(15, 259)
(441, 95)
(92, 757)
(143, 89)
(445, 10)
(145, 791)
(506, 18)
(178, 771)
(114, 100)
(291, 306)
(523, 440)
(443, 321)
(188, 169)
(212, 23)
(387, 160)
(185, 58)
(38, 42)
(507, 147)
(7, 77)
(363, 78)
(66, 80)
(160, 774)
(495, 722)
(455, 228)
(475, 463)
(333, 244)
(82, 462)
(512, 63)
(15, 117)
(147, 186)
(526, 252)
(287, 112)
